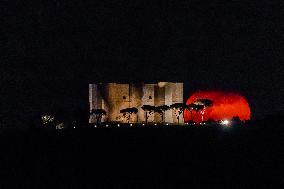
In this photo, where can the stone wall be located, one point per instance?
(116, 96)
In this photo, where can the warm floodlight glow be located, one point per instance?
(162, 84)
(130, 124)
(155, 124)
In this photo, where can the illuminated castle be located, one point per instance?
(114, 97)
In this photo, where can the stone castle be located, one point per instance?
(114, 97)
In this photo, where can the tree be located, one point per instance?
(179, 109)
(161, 110)
(148, 111)
(98, 113)
(205, 103)
(127, 112)
(193, 107)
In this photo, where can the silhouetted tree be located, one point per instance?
(98, 113)
(161, 110)
(148, 111)
(191, 108)
(179, 109)
(127, 112)
(197, 108)
(205, 103)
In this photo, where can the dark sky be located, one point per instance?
(51, 50)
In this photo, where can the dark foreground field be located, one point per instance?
(142, 158)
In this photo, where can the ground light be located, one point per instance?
(225, 122)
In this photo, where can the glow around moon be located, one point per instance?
(226, 105)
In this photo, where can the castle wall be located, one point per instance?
(136, 94)
(159, 100)
(117, 99)
(148, 99)
(95, 100)
(177, 93)
(168, 102)
(113, 97)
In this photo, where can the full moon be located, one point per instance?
(226, 105)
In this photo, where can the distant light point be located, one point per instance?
(225, 122)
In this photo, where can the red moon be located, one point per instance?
(226, 105)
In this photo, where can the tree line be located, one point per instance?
(198, 106)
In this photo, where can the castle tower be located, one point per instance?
(173, 94)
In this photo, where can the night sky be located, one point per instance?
(51, 50)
